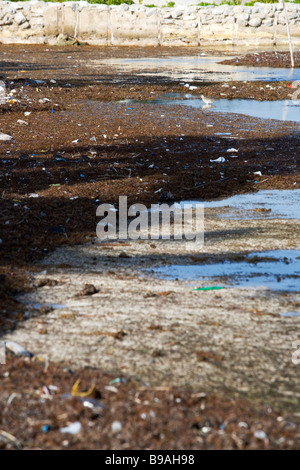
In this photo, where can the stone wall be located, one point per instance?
(39, 22)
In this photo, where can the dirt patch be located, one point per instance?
(280, 59)
(36, 404)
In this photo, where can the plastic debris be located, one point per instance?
(73, 428)
(91, 393)
(22, 123)
(17, 349)
(260, 435)
(209, 288)
(5, 136)
(46, 428)
(111, 388)
(116, 427)
(205, 429)
(115, 381)
(243, 424)
(232, 150)
(259, 173)
(219, 160)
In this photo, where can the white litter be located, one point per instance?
(5, 136)
(116, 427)
(260, 435)
(73, 428)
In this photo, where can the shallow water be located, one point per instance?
(284, 204)
(290, 314)
(196, 68)
(285, 110)
(275, 270)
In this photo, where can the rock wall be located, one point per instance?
(39, 22)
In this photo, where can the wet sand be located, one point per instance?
(84, 144)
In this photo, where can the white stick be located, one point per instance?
(158, 28)
(289, 35)
(275, 28)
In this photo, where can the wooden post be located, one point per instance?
(158, 28)
(289, 35)
(199, 28)
(275, 28)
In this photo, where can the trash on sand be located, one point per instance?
(73, 428)
(17, 349)
(259, 173)
(5, 136)
(209, 288)
(91, 393)
(116, 427)
(111, 388)
(243, 424)
(115, 381)
(219, 160)
(22, 123)
(232, 150)
(46, 428)
(93, 404)
(260, 435)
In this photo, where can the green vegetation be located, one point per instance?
(233, 2)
